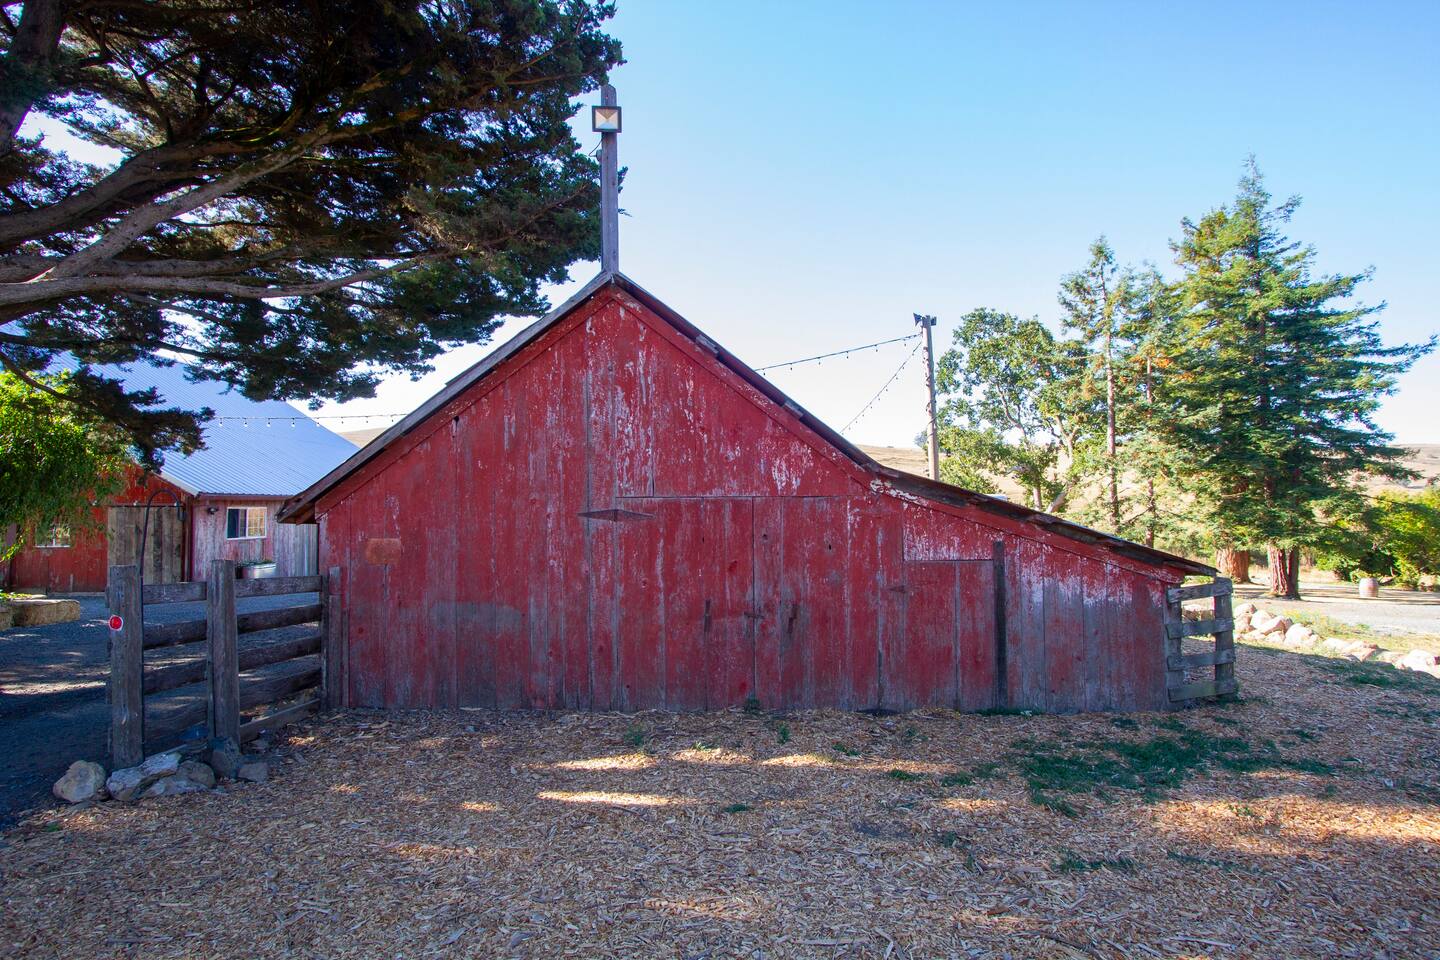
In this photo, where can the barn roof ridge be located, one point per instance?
(299, 507)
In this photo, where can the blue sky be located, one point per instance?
(804, 177)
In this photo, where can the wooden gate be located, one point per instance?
(237, 674)
(1180, 683)
(164, 541)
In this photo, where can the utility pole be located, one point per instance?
(605, 120)
(932, 440)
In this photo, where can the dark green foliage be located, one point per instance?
(634, 736)
(1392, 535)
(905, 776)
(306, 195)
(737, 808)
(55, 460)
(841, 748)
(965, 778)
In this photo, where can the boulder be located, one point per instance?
(83, 781)
(255, 771)
(130, 783)
(7, 616)
(1246, 609)
(1421, 660)
(1300, 635)
(1268, 624)
(172, 786)
(225, 757)
(1389, 656)
(39, 611)
(196, 772)
(1360, 650)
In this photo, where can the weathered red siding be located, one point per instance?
(291, 546)
(612, 519)
(83, 566)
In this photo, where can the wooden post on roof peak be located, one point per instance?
(605, 119)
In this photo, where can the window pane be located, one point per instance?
(232, 523)
(255, 523)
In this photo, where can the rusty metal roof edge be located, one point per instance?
(923, 486)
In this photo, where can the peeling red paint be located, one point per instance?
(613, 518)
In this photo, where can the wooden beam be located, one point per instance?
(258, 691)
(276, 586)
(174, 676)
(1197, 628)
(1224, 641)
(1174, 616)
(251, 729)
(224, 658)
(1205, 688)
(173, 634)
(334, 640)
(187, 592)
(1002, 651)
(278, 617)
(1190, 661)
(1222, 587)
(127, 666)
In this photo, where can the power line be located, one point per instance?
(837, 353)
(866, 409)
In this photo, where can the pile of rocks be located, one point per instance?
(163, 775)
(1255, 625)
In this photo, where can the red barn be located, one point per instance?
(612, 512)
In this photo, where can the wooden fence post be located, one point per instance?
(224, 654)
(333, 639)
(127, 665)
(1224, 639)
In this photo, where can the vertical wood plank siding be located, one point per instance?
(612, 519)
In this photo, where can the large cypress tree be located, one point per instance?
(1277, 375)
(301, 195)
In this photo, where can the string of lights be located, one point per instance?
(838, 353)
(342, 417)
(866, 409)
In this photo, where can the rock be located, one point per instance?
(128, 784)
(260, 745)
(83, 781)
(1389, 656)
(1300, 635)
(256, 771)
(171, 786)
(1246, 609)
(225, 757)
(1421, 660)
(1269, 624)
(38, 612)
(196, 772)
(7, 616)
(1360, 650)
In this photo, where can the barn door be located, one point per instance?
(164, 560)
(684, 579)
(948, 657)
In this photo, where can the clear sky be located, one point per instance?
(805, 176)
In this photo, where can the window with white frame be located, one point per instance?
(245, 523)
(55, 535)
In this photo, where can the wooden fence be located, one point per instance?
(1179, 687)
(224, 661)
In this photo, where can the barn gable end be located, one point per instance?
(613, 515)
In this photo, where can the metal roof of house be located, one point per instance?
(301, 508)
(274, 451)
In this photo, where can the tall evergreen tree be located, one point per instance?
(1278, 376)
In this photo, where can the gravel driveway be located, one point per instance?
(52, 694)
(1396, 612)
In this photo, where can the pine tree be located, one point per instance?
(1278, 375)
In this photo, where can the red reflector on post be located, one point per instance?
(116, 622)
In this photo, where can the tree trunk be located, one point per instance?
(1234, 563)
(1284, 564)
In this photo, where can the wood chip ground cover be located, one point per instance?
(1303, 820)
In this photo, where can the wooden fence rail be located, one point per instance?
(1220, 625)
(234, 668)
